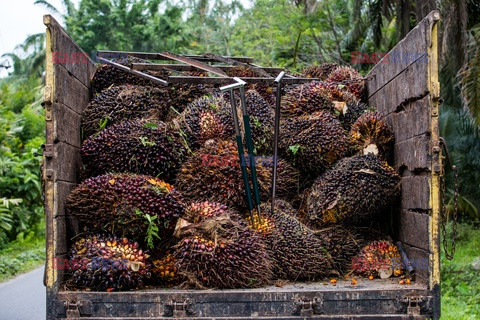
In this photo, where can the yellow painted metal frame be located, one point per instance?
(435, 200)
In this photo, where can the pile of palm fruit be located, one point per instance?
(162, 200)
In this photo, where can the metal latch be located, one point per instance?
(79, 308)
(413, 304)
(307, 306)
(179, 309)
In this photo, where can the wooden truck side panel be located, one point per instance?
(405, 93)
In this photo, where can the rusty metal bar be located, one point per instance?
(183, 67)
(194, 63)
(157, 56)
(255, 68)
(211, 80)
(135, 72)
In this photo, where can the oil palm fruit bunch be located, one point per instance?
(320, 71)
(371, 134)
(262, 120)
(352, 80)
(222, 252)
(313, 142)
(164, 270)
(351, 113)
(107, 75)
(206, 118)
(378, 259)
(103, 262)
(129, 205)
(298, 254)
(213, 174)
(352, 192)
(196, 212)
(135, 146)
(124, 102)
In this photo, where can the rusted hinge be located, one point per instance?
(78, 309)
(305, 307)
(48, 149)
(179, 309)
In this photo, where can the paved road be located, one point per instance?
(23, 298)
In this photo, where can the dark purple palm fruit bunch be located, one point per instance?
(136, 146)
(264, 90)
(209, 117)
(107, 75)
(314, 96)
(354, 191)
(121, 103)
(213, 173)
(108, 263)
(349, 77)
(127, 205)
(351, 113)
(320, 71)
(198, 211)
(297, 253)
(370, 133)
(222, 252)
(313, 142)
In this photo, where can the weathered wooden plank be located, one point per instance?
(67, 125)
(414, 154)
(413, 228)
(69, 90)
(411, 48)
(62, 190)
(413, 120)
(420, 260)
(67, 162)
(67, 53)
(411, 84)
(60, 235)
(416, 192)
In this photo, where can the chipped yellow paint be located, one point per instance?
(435, 203)
(51, 272)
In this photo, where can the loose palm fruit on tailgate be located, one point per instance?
(137, 206)
(136, 146)
(371, 134)
(125, 102)
(314, 142)
(314, 96)
(378, 259)
(354, 191)
(213, 174)
(222, 252)
(102, 262)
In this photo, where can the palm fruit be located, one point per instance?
(196, 212)
(321, 72)
(378, 259)
(354, 191)
(214, 174)
(129, 205)
(206, 118)
(102, 262)
(222, 252)
(352, 80)
(351, 113)
(298, 254)
(313, 142)
(107, 75)
(371, 134)
(165, 271)
(136, 146)
(125, 102)
(314, 96)
(262, 120)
